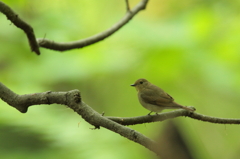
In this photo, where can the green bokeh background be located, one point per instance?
(189, 48)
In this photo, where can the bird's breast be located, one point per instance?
(151, 107)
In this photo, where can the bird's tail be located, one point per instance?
(192, 109)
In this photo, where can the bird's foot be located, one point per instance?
(149, 113)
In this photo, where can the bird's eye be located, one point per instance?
(141, 82)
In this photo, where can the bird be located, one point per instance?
(154, 98)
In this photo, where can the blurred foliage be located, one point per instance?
(189, 48)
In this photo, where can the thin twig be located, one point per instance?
(127, 5)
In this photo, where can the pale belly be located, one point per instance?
(151, 107)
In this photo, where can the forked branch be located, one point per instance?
(63, 46)
(72, 99)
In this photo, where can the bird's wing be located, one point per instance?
(156, 98)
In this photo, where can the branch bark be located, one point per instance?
(72, 99)
(61, 46)
(171, 115)
(18, 22)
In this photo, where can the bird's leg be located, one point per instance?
(150, 113)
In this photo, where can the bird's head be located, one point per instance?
(141, 84)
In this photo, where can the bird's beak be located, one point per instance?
(133, 85)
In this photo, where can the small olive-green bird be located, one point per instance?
(154, 98)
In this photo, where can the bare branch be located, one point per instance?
(18, 22)
(96, 119)
(72, 99)
(45, 43)
(61, 46)
(22, 102)
(171, 115)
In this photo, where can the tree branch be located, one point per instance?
(171, 115)
(72, 99)
(61, 46)
(18, 22)
(22, 102)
